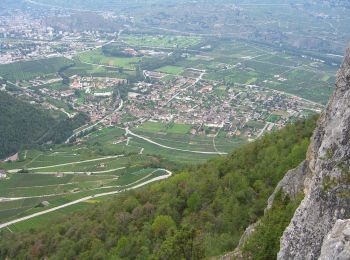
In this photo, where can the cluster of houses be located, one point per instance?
(84, 83)
(237, 110)
(38, 40)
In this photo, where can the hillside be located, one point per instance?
(23, 125)
(201, 211)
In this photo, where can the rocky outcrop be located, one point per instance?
(291, 185)
(336, 245)
(237, 253)
(327, 177)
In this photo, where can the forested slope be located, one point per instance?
(22, 124)
(199, 212)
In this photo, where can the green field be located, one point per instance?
(171, 70)
(170, 136)
(67, 173)
(83, 69)
(44, 68)
(162, 41)
(33, 189)
(97, 57)
(163, 127)
(238, 62)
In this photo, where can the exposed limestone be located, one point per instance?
(336, 245)
(237, 253)
(292, 184)
(328, 160)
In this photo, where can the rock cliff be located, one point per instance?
(336, 245)
(326, 175)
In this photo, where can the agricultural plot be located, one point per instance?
(250, 64)
(166, 128)
(50, 178)
(59, 86)
(176, 143)
(97, 57)
(175, 136)
(162, 41)
(47, 68)
(193, 144)
(114, 140)
(28, 206)
(171, 70)
(81, 159)
(34, 158)
(49, 218)
(32, 193)
(84, 69)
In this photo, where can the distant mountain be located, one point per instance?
(25, 125)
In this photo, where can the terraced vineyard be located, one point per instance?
(108, 160)
(43, 180)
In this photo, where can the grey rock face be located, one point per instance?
(291, 184)
(328, 160)
(336, 245)
(237, 253)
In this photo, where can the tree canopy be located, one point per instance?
(24, 125)
(199, 212)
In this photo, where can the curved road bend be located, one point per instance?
(128, 132)
(163, 177)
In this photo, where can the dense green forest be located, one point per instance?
(24, 125)
(264, 243)
(200, 212)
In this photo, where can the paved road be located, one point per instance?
(214, 144)
(163, 177)
(264, 129)
(98, 122)
(71, 163)
(128, 132)
(183, 90)
(94, 172)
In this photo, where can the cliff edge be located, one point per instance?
(327, 179)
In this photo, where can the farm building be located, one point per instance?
(3, 174)
(60, 175)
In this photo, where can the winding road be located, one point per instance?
(66, 164)
(163, 177)
(128, 132)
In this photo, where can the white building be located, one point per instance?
(3, 174)
(103, 94)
